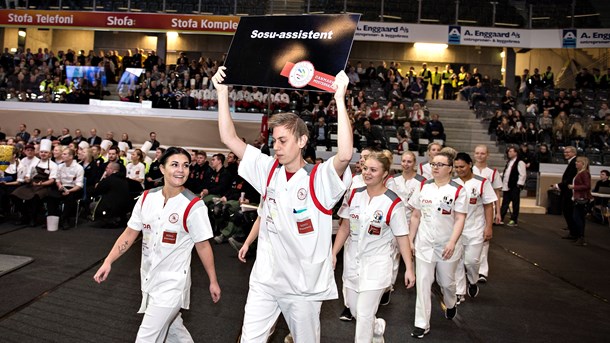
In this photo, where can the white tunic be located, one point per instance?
(169, 235)
(71, 176)
(479, 193)
(27, 165)
(370, 248)
(425, 170)
(49, 167)
(491, 175)
(438, 206)
(406, 188)
(136, 171)
(294, 255)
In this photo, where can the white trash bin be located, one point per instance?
(52, 223)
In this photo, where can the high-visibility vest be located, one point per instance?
(597, 79)
(436, 78)
(461, 78)
(425, 74)
(446, 77)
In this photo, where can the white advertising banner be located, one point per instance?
(592, 38)
(400, 32)
(545, 39)
(488, 36)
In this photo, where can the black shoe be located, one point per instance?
(482, 278)
(385, 298)
(570, 237)
(580, 242)
(346, 315)
(451, 312)
(419, 332)
(473, 290)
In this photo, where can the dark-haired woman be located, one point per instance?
(172, 220)
(478, 227)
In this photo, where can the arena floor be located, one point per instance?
(541, 289)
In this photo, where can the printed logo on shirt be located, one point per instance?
(377, 216)
(474, 194)
(173, 218)
(169, 237)
(354, 216)
(302, 194)
(445, 205)
(374, 230)
(146, 227)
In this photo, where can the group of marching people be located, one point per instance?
(435, 223)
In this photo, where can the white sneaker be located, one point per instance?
(379, 330)
(288, 338)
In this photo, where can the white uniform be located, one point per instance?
(293, 271)
(170, 231)
(493, 176)
(438, 206)
(71, 176)
(369, 253)
(425, 170)
(136, 171)
(49, 167)
(27, 164)
(480, 193)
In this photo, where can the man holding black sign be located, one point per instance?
(293, 272)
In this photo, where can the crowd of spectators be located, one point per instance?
(106, 176)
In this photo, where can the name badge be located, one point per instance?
(169, 237)
(473, 201)
(305, 226)
(374, 230)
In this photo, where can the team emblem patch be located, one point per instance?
(173, 218)
(377, 216)
(302, 194)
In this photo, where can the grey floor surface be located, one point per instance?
(541, 289)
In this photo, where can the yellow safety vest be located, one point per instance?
(461, 78)
(436, 78)
(446, 76)
(425, 74)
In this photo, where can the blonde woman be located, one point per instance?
(373, 218)
(136, 168)
(582, 196)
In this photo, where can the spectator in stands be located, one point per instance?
(401, 115)
(218, 182)
(57, 154)
(94, 139)
(354, 79)
(395, 94)
(546, 103)
(70, 183)
(154, 177)
(49, 135)
(543, 155)
(35, 137)
(562, 103)
(135, 168)
(374, 114)
(548, 79)
(114, 198)
(416, 89)
(508, 101)
(603, 110)
(504, 131)
(526, 156)
(494, 122)
(110, 137)
(605, 81)
(513, 181)
(241, 192)
(577, 134)
(417, 116)
(477, 94)
(388, 117)
(153, 140)
(374, 136)
(91, 169)
(532, 133)
(584, 80)
(78, 137)
(561, 128)
(320, 134)
(576, 103)
(65, 137)
(434, 129)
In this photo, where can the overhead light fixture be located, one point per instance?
(429, 20)
(390, 17)
(507, 24)
(502, 54)
(172, 34)
(467, 21)
(21, 33)
(541, 18)
(431, 47)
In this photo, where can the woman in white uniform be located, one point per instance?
(172, 220)
(373, 217)
(478, 227)
(439, 213)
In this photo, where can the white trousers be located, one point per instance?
(468, 267)
(363, 306)
(484, 269)
(163, 324)
(424, 277)
(263, 309)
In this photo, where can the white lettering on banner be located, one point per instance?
(120, 21)
(491, 37)
(291, 35)
(16, 18)
(40, 19)
(382, 32)
(218, 25)
(185, 24)
(593, 38)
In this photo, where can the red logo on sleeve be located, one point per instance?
(169, 237)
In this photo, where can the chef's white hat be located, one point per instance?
(83, 145)
(46, 145)
(106, 144)
(123, 146)
(146, 147)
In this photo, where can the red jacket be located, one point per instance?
(582, 186)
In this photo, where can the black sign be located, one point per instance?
(294, 52)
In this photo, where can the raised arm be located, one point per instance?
(228, 135)
(345, 138)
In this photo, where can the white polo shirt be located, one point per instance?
(479, 193)
(438, 206)
(406, 188)
(169, 233)
(294, 254)
(370, 248)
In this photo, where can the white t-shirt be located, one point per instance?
(136, 171)
(438, 206)
(294, 254)
(491, 175)
(425, 170)
(370, 248)
(479, 193)
(170, 231)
